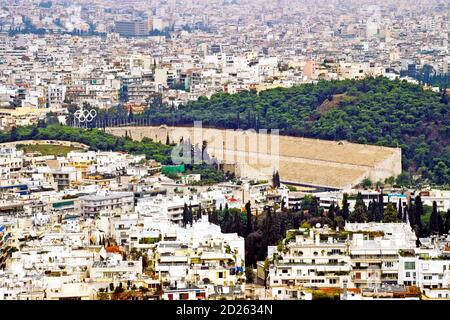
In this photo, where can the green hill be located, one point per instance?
(373, 111)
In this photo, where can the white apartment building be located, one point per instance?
(308, 260)
(428, 268)
(204, 257)
(374, 251)
(169, 207)
(91, 205)
(56, 94)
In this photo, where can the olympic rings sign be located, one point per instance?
(83, 115)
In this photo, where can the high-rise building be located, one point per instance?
(132, 28)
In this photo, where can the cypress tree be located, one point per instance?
(434, 220)
(331, 212)
(248, 211)
(447, 222)
(238, 228)
(345, 207)
(400, 210)
(314, 207)
(185, 215)
(199, 212)
(418, 212)
(276, 179)
(226, 222)
(440, 224)
(371, 211)
(359, 214)
(380, 207)
(191, 215)
(215, 217)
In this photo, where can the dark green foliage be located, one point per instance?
(191, 215)
(95, 138)
(248, 212)
(276, 179)
(447, 223)
(185, 215)
(359, 213)
(434, 220)
(314, 209)
(372, 211)
(390, 214)
(418, 212)
(208, 174)
(399, 210)
(374, 111)
(345, 207)
(331, 212)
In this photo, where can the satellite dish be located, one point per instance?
(317, 225)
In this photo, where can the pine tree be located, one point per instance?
(345, 207)
(390, 214)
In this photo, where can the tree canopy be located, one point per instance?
(374, 111)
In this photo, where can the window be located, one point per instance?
(284, 271)
(333, 281)
(408, 274)
(184, 296)
(389, 264)
(410, 265)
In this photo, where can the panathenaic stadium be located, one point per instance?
(300, 161)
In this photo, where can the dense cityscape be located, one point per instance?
(224, 150)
